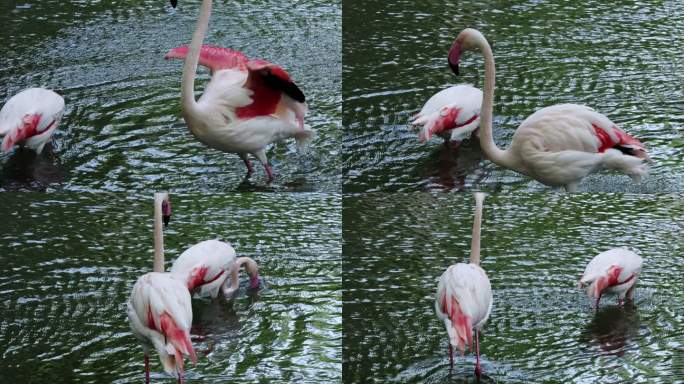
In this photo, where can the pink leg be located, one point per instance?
(180, 378)
(244, 158)
(597, 303)
(147, 369)
(451, 356)
(269, 171)
(478, 369)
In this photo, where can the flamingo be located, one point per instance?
(30, 118)
(248, 103)
(159, 308)
(464, 296)
(612, 271)
(452, 113)
(557, 145)
(207, 265)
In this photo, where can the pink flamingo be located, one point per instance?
(207, 265)
(464, 296)
(557, 145)
(612, 271)
(159, 308)
(247, 105)
(452, 113)
(30, 118)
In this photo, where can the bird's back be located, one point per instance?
(470, 286)
(205, 262)
(28, 102)
(629, 261)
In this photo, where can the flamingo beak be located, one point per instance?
(455, 57)
(174, 3)
(166, 212)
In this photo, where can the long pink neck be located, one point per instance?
(493, 153)
(477, 224)
(188, 102)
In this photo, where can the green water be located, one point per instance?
(623, 60)
(69, 261)
(122, 129)
(534, 250)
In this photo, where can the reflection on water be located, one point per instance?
(619, 59)
(534, 249)
(613, 327)
(122, 129)
(68, 262)
(26, 170)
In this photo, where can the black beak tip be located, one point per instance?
(174, 3)
(454, 68)
(166, 220)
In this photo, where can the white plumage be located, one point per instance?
(613, 271)
(206, 265)
(30, 118)
(160, 315)
(452, 113)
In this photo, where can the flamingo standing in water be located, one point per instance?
(159, 308)
(30, 118)
(464, 296)
(452, 113)
(612, 271)
(207, 265)
(557, 145)
(247, 105)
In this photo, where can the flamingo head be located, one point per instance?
(177, 53)
(468, 40)
(166, 211)
(174, 3)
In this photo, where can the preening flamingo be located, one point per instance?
(612, 271)
(30, 118)
(159, 308)
(452, 113)
(207, 265)
(464, 296)
(248, 103)
(557, 145)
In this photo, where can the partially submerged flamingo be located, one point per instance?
(464, 296)
(613, 271)
(452, 113)
(247, 105)
(159, 308)
(207, 265)
(30, 118)
(557, 145)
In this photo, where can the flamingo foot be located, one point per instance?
(180, 378)
(620, 303)
(147, 369)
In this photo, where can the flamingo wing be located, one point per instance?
(464, 301)
(160, 311)
(613, 267)
(30, 117)
(454, 111)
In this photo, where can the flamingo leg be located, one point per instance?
(180, 378)
(478, 369)
(147, 369)
(451, 357)
(244, 158)
(269, 171)
(261, 155)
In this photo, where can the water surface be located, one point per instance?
(69, 262)
(624, 61)
(122, 130)
(534, 250)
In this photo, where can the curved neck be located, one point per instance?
(477, 224)
(192, 59)
(487, 143)
(158, 233)
(252, 270)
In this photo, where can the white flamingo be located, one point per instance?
(247, 105)
(30, 118)
(207, 265)
(557, 145)
(613, 271)
(159, 308)
(464, 296)
(452, 113)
